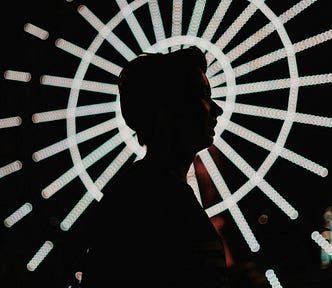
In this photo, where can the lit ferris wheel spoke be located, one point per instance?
(43, 251)
(322, 242)
(157, 22)
(212, 28)
(196, 18)
(102, 180)
(176, 21)
(237, 25)
(223, 190)
(80, 137)
(229, 34)
(88, 56)
(134, 25)
(262, 33)
(10, 122)
(105, 32)
(89, 160)
(79, 84)
(279, 114)
(256, 178)
(10, 168)
(18, 215)
(80, 111)
(17, 75)
(313, 119)
(276, 84)
(267, 30)
(272, 57)
(216, 19)
(36, 31)
(192, 181)
(271, 146)
(272, 278)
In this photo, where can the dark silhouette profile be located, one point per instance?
(149, 230)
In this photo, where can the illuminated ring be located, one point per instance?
(256, 179)
(130, 140)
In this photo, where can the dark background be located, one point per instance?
(286, 245)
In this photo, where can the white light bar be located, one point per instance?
(102, 180)
(256, 178)
(216, 19)
(278, 114)
(10, 168)
(73, 172)
(177, 21)
(17, 75)
(269, 145)
(76, 212)
(272, 278)
(267, 30)
(236, 26)
(133, 24)
(77, 84)
(36, 31)
(192, 181)
(94, 59)
(40, 255)
(10, 122)
(157, 22)
(21, 212)
(225, 193)
(80, 137)
(322, 242)
(80, 111)
(105, 32)
(196, 17)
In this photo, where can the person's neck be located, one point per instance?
(178, 165)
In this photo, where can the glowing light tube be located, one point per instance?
(10, 122)
(269, 145)
(216, 19)
(272, 278)
(80, 137)
(105, 32)
(177, 21)
(40, 255)
(223, 190)
(21, 212)
(192, 181)
(273, 113)
(89, 160)
(102, 180)
(268, 29)
(76, 84)
(134, 25)
(80, 111)
(94, 59)
(264, 32)
(10, 168)
(256, 178)
(157, 22)
(236, 26)
(17, 75)
(322, 242)
(36, 31)
(196, 17)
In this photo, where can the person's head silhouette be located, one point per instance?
(166, 99)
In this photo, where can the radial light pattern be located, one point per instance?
(223, 76)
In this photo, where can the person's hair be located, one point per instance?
(154, 81)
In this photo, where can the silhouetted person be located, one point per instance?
(149, 229)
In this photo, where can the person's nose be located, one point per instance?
(216, 110)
